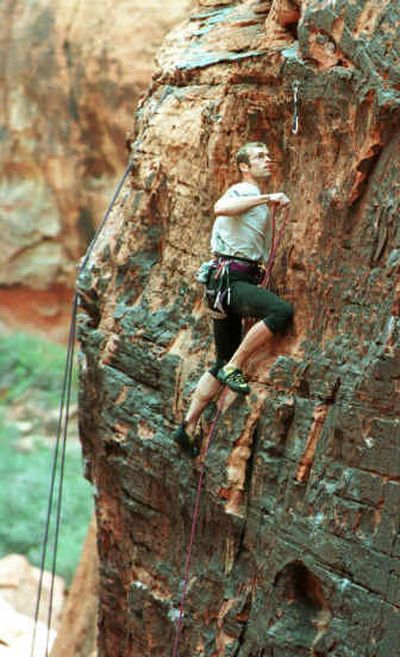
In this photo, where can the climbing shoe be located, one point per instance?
(233, 378)
(189, 444)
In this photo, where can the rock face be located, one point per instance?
(71, 75)
(298, 550)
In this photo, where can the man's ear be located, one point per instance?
(243, 167)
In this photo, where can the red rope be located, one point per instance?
(275, 242)
(175, 651)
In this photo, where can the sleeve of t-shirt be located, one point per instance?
(237, 190)
(231, 192)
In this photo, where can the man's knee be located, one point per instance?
(281, 317)
(286, 312)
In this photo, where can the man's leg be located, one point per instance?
(206, 389)
(227, 336)
(251, 300)
(258, 336)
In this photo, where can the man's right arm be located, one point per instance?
(235, 205)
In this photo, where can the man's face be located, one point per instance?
(260, 162)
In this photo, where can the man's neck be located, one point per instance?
(261, 183)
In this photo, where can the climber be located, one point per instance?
(239, 245)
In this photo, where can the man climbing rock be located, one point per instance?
(239, 245)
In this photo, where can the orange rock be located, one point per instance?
(72, 80)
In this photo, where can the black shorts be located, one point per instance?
(246, 300)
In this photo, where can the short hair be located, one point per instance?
(243, 153)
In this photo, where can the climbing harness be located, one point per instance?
(295, 122)
(220, 294)
(215, 275)
(58, 462)
(276, 239)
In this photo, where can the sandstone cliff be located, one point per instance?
(71, 74)
(298, 547)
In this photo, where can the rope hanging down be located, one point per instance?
(58, 461)
(59, 448)
(175, 651)
(276, 239)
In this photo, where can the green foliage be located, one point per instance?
(30, 364)
(32, 372)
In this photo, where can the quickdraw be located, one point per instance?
(295, 122)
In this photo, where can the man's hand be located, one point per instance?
(280, 199)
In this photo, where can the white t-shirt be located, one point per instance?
(244, 235)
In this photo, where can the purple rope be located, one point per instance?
(175, 651)
(275, 242)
